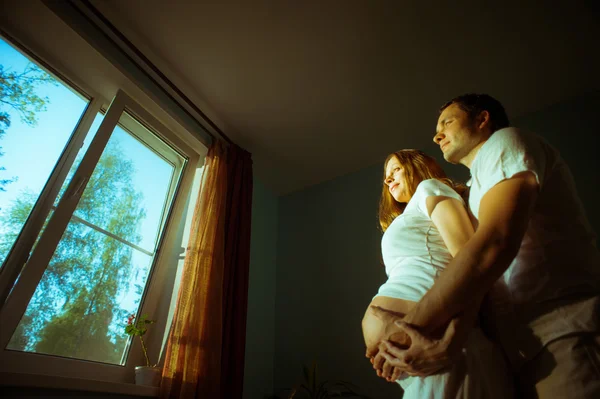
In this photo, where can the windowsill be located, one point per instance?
(74, 384)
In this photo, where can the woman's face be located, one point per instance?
(395, 180)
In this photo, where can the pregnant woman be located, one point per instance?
(425, 223)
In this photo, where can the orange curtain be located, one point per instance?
(205, 350)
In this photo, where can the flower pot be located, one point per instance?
(145, 375)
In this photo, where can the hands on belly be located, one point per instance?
(395, 347)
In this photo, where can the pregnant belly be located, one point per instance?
(400, 306)
(380, 326)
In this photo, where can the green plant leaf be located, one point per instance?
(314, 376)
(306, 374)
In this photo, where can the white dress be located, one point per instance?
(414, 253)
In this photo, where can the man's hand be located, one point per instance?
(391, 332)
(424, 357)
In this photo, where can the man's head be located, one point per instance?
(465, 123)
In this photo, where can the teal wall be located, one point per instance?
(573, 128)
(328, 269)
(260, 327)
(328, 255)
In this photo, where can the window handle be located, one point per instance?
(80, 187)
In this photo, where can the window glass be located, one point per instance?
(98, 273)
(38, 114)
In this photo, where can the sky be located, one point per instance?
(31, 152)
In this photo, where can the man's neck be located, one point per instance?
(470, 157)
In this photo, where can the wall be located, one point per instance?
(328, 269)
(572, 127)
(328, 262)
(260, 327)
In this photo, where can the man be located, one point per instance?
(533, 251)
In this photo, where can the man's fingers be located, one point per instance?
(450, 330)
(395, 351)
(412, 332)
(390, 359)
(387, 370)
(378, 361)
(397, 362)
(383, 314)
(397, 374)
(378, 311)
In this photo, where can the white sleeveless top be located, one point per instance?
(412, 247)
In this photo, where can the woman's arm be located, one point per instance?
(452, 221)
(504, 215)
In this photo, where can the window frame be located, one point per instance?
(159, 286)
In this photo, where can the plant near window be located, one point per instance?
(312, 388)
(138, 328)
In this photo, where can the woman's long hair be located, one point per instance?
(418, 166)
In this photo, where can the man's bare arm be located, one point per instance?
(504, 215)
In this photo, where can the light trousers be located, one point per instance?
(568, 367)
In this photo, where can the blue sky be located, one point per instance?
(30, 154)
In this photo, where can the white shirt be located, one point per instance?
(412, 247)
(558, 262)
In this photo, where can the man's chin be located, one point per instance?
(449, 158)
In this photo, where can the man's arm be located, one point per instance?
(425, 355)
(504, 215)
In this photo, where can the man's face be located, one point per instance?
(456, 134)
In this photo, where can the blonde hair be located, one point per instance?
(417, 166)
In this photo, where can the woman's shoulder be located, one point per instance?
(433, 187)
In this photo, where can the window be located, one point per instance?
(92, 201)
(37, 117)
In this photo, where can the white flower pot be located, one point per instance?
(145, 375)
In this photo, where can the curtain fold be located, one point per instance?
(206, 346)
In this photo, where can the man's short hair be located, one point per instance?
(474, 104)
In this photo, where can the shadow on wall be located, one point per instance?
(572, 127)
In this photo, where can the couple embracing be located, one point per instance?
(493, 289)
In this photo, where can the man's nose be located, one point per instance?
(439, 136)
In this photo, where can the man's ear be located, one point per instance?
(483, 120)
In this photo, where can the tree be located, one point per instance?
(18, 93)
(76, 305)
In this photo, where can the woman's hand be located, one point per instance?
(386, 329)
(425, 356)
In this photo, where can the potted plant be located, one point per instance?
(148, 374)
(312, 388)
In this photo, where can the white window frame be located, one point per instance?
(159, 287)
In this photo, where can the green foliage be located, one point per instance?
(312, 388)
(76, 309)
(18, 93)
(138, 327)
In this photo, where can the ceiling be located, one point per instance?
(319, 89)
